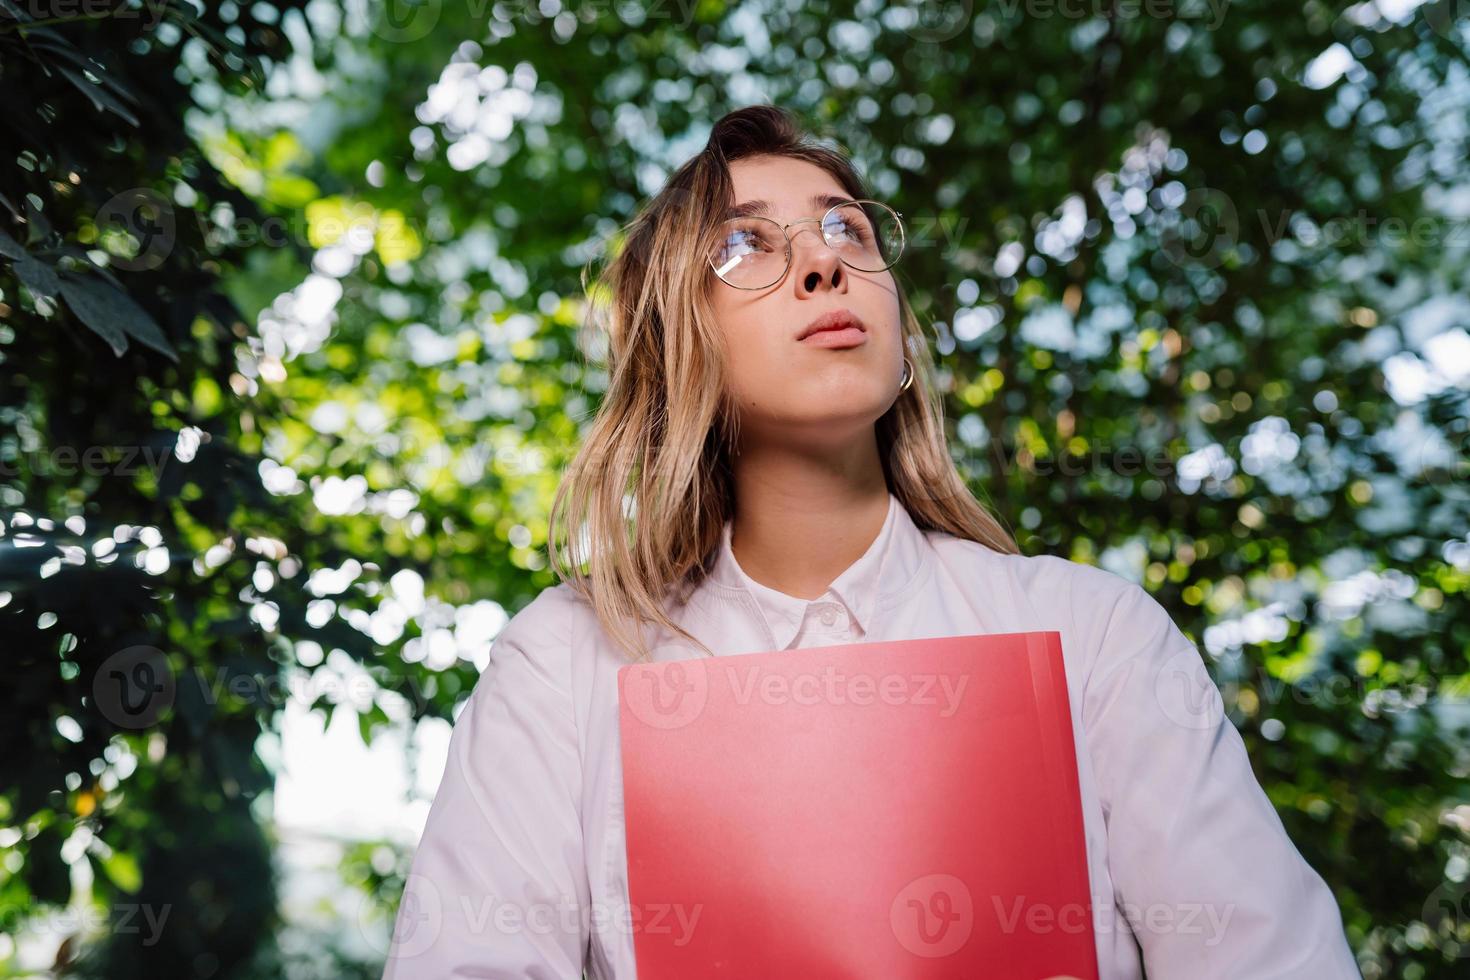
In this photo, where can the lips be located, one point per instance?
(835, 320)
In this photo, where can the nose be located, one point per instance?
(814, 262)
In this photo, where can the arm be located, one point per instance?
(498, 884)
(1203, 868)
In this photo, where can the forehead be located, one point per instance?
(792, 188)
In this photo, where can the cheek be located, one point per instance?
(751, 352)
(757, 371)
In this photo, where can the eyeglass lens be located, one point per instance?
(752, 252)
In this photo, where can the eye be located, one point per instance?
(846, 228)
(740, 241)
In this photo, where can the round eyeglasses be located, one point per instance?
(755, 252)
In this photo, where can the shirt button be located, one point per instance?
(829, 616)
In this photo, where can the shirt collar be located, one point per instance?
(885, 568)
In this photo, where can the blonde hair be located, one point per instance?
(637, 519)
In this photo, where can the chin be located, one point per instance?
(848, 384)
(850, 410)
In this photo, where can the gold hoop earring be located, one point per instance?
(908, 375)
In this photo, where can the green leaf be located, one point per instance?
(93, 311)
(122, 870)
(38, 226)
(112, 313)
(39, 277)
(10, 248)
(100, 97)
(368, 721)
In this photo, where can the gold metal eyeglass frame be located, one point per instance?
(821, 224)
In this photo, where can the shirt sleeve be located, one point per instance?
(1204, 872)
(498, 885)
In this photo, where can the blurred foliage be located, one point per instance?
(303, 280)
(110, 354)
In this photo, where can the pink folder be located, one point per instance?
(897, 810)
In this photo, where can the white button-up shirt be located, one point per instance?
(522, 869)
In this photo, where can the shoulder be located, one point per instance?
(541, 634)
(1049, 576)
(1111, 616)
(552, 612)
(528, 671)
(1118, 621)
(524, 692)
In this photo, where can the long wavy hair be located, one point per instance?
(637, 518)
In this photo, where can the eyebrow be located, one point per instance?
(750, 209)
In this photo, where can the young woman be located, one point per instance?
(768, 471)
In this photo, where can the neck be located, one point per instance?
(801, 518)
